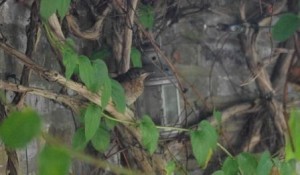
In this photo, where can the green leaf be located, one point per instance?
(63, 7)
(218, 116)
(19, 128)
(219, 172)
(70, 61)
(101, 54)
(101, 139)
(100, 73)
(170, 167)
(247, 163)
(92, 120)
(265, 164)
(146, 16)
(69, 42)
(286, 168)
(203, 141)
(85, 71)
(47, 8)
(149, 134)
(79, 141)
(294, 125)
(53, 161)
(106, 92)
(230, 166)
(136, 57)
(109, 124)
(285, 27)
(118, 96)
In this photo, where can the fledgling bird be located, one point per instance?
(133, 83)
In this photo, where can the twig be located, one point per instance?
(72, 102)
(92, 33)
(128, 36)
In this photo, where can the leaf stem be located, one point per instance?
(172, 128)
(224, 149)
(117, 120)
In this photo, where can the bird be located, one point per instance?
(133, 83)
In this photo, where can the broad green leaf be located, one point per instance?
(63, 7)
(203, 141)
(101, 139)
(106, 92)
(149, 134)
(170, 167)
(79, 142)
(264, 165)
(146, 16)
(282, 167)
(219, 172)
(118, 96)
(85, 71)
(200, 148)
(210, 132)
(247, 163)
(101, 54)
(91, 120)
(53, 161)
(47, 8)
(294, 124)
(136, 57)
(230, 166)
(19, 128)
(100, 73)
(285, 27)
(286, 168)
(70, 61)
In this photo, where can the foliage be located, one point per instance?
(101, 139)
(294, 124)
(286, 26)
(70, 60)
(92, 120)
(20, 128)
(204, 141)
(99, 75)
(136, 57)
(101, 54)
(47, 8)
(170, 168)
(118, 96)
(146, 16)
(248, 164)
(265, 164)
(53, 161)
(230, 166)
(79, 140)
(85, 71)
(149, 133)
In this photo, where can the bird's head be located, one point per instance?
(137, 73)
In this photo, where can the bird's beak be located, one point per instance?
(149, 73)
(146, 74)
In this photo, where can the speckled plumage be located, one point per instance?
(133, 83)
